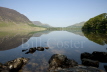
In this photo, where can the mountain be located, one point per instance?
(38, 23)
(77, 25)
(11, 20)
(98, 22)
(10, 15)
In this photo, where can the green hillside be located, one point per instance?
(77, 25)
(11, 20)
(98, 22)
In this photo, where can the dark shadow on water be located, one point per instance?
(94, 59)
(97, 36)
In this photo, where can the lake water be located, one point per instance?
(69, 43)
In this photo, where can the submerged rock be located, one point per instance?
(101, 56)
(1, 64)
(89, 62)
(31, 50)
(105, 66)
(46, 47)
(86, 55)
(40, 48)
(79, 68)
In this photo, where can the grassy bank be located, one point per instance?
(11, 27)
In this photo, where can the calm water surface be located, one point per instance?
(71, 44)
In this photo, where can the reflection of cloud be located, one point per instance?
(37, 63)
(33, 64)
(78, 51)
(57, 51)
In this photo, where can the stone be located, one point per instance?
(71, 63)
(46, 47)
(86, 55)
(31, 50)
(89, 62)
(1, 65)
(60, 61)
(100, 56)
(40, 48)
(79, 68)
(15, 64)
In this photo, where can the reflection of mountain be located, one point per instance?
(14, 40)
(78, 32)
(99, 37)
(9, 42)
(38, 34)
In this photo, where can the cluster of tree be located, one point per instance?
(96, 23)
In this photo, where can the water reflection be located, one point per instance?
(38, 34)
(10, 41)
(59, 42)
(97, 36)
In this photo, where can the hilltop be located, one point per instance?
(77, 25)
(97, 22)
(9, 15)
(38, 23)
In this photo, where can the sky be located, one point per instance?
(57, 13)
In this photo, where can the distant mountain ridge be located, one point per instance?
(79, 25)
(10, 15)
(38, 23)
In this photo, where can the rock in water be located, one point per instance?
(32, 50)
(13, 65)
(101, 56)
(46, 47)
(86, 55)
(80, 68)
(40, 48)
(60, 61)
(89, 62)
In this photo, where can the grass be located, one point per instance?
(11, 29)
(18, 27)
